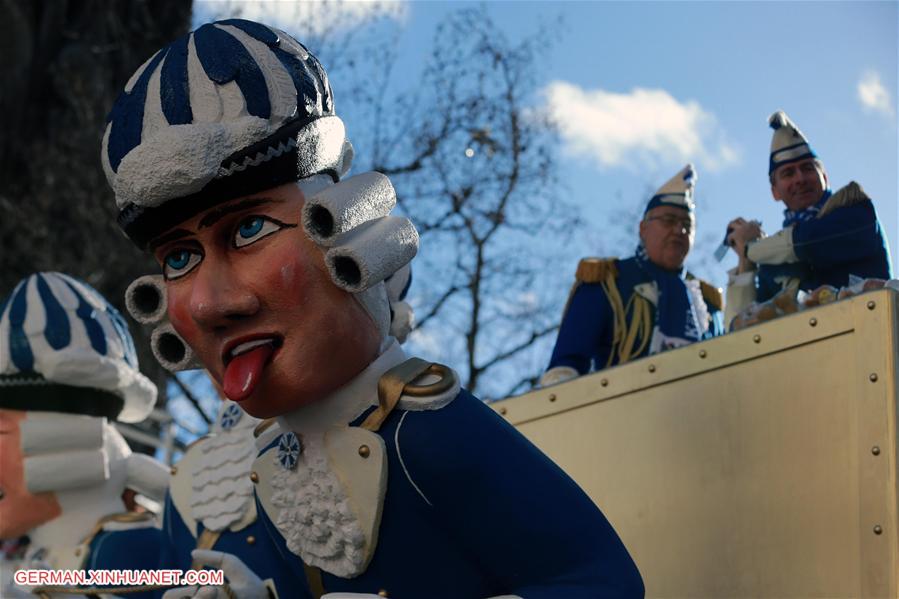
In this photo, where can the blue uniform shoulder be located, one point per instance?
(477, 475)
(630, 274)
(133, 549)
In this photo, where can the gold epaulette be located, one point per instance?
(595, 270)
(399, 381)
(712, 295)
(849, 194)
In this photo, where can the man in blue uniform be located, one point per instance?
(827, 236)
(383, 476)
(620, 310)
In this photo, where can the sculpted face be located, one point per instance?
(799, 184)
(250, 293)
(667, 233)
(20, 510)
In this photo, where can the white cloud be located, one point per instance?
(645, 125)
(315, 17)
(873, 95)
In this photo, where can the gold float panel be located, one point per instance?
(744, 466)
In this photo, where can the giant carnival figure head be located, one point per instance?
(67, 368)
(668, 226)
(226, 157)
(798, 178)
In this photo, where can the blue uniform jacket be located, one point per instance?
(132, 549)
(488, 514)
(846, 241)
(251, 544)
(586, 333)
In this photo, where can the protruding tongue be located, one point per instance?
(243, 372)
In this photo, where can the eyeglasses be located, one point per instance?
(670, 221)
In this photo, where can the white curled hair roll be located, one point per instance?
(63, 451)
(339, 209)
(363, 244)
(145, 299)
(69, 452)
(171, 350)
(146, 302)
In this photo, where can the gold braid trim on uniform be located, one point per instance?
(619, 324)
(639, 331)
(627, 341)
(851, 193)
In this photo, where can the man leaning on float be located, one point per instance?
(621, 310)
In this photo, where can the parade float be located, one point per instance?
(758, 464)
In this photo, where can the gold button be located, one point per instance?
(652, 368)
(251, 540)
(875, 450)
(382, 593)
(364, 451)
(757, 338)
(871, 305)
(878, 529)
(873, 377)
(702, 353)
(503, 411)
(174, 471)
(78, 552)
(552, 397)
(812, 321)
(254, 477)
(604, 382)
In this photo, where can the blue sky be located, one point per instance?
(641, 88)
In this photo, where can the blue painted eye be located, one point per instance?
(253, 228)
(178, 263)
(250, 227)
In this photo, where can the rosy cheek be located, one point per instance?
(179, 315)
(291, 272)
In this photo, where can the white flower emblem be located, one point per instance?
(289, 450)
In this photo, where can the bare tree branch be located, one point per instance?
(535, 335)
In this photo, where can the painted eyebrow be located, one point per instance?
(170, 236)
(216, 215)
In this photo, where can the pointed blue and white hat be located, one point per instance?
(232, 108)
(64, 348)
(677, 191)
(788, 144)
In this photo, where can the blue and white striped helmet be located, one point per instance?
(677, 191)
(64, 348)
(233, 108)
(788, 144)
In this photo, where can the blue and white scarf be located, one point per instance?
(677, 320)
(791, 217)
